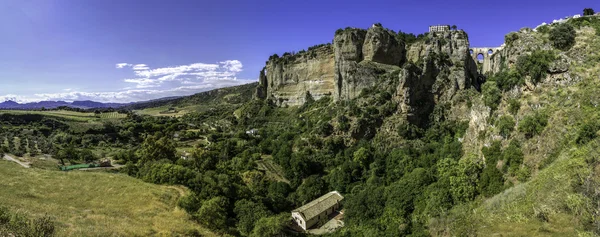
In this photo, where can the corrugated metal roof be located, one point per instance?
(319, 205)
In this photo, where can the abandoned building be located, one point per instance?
(317, 210)
(439, 28)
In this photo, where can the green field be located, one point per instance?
(164, 111)
(95, 204)
(70, 115)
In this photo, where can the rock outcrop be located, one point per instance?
(437, 67)
(286, 80)
(362, 55)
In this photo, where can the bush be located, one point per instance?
(16, 224)
(513, 156)
(513, 106)
(588, 12)
(491, 94)
(544, 29)
(563, 36)
(535, 65)
(506, 125)
(507, 80)
(587, 132)
(510, 38)
(491, 181)
(533, 125)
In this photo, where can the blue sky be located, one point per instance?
(130, 50)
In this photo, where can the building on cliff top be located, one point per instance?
(439, 28)
(317, 210)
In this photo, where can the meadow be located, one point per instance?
(96, 203)
(70, 115)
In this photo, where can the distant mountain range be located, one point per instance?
(85, 104)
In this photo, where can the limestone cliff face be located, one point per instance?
(360, 56)
(286, 80)
(439, 68)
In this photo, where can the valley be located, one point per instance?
(410, 134)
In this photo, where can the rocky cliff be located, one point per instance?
(288, 79)
(438, 68)
(428, 70)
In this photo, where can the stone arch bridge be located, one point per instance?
(483, 55)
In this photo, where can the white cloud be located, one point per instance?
(147, 77)
(138, 67)
(122, 65)
(152, 83)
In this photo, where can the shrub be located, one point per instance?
(543, 29)
(588, 12)
(563, 36)
(507, 80)
(506, 125)
(491, 181)
(513, 106)
(513, 156)
(491, 94)
(510, 38)
(533, 125)
(587, 132)
(535, 65)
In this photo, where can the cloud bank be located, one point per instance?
(152, 83)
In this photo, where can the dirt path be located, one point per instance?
(15, 160)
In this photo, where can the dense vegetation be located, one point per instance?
(248, 162)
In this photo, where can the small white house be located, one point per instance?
(252, 132)
(317, 210)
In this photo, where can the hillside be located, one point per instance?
(418, 135)
(98, 204)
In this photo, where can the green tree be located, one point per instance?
(363, 157)
(491, 94)
(513, 106)
(271, 226)
(463, 184)
(513, 156)
(213, 213)
(506, 125)
(563, 36)
(506, 80)
(535, 65)
(533, 124)
(588, 12)
(587, 132)
(154, 148)
(491, 182)
(87, 156)
(69, 153)
(312, 187)
(247, 213)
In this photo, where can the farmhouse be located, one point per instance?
(318, 210)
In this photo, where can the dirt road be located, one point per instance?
(15, 160)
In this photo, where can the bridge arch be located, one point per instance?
(483, 56)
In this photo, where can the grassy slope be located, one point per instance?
(230, 97)
(95, 204)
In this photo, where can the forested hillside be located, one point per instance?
(416, 137)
